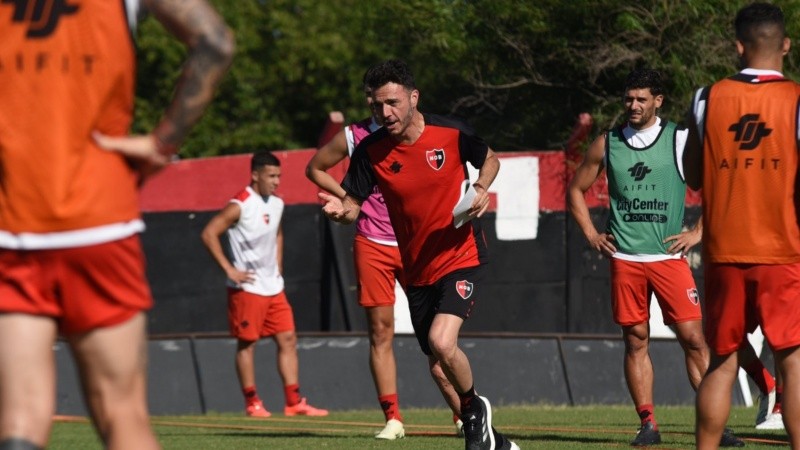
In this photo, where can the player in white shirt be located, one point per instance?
(257, 305)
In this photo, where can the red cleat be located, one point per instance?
(257, 410)
(304, 409)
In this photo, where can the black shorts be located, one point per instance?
(454, 293)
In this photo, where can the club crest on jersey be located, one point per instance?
(266, 219)
(694, 297)
(464, 289)
(435, 158)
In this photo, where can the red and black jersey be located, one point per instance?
(421, 183)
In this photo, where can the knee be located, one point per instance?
(441, 347)
(694, 341)
(286, 341)
(381, 334)
(636, 345)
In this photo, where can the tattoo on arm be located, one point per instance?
(211, 48)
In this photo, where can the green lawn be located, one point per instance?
(531, 427)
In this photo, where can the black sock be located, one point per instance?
(18, 444)
(466, 399)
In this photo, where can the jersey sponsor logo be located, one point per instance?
(639, 171)
(748, 131)
(266, 219)
(636, 204)
(41, 16)
(395, 167)
(435, 158)
(464, 289)
(644, 218)
(694, 297)
(750, 163)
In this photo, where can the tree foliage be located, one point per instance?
(519, 72)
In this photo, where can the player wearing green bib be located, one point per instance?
(647, 190)
(644, 240)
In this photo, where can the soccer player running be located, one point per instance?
(377, 262)
(743, 152)
(70, 256)
(644, 239)
(257, 304)
(418, 161)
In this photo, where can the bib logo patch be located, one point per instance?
(266, 219)
(694, 297)
(464, 289)
(41, 16)
(749, 131)
(435, 158)
(639, 171)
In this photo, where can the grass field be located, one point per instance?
(531, 427)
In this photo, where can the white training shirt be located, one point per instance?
(253, 241)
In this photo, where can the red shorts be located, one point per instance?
(252, 316)
(83, 288)
(740, 296)
(632, 284)
(377, 266)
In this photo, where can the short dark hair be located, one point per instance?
(390, 71)
(263, 158)
(752, 18)
(645, 78)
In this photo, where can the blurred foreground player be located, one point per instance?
(70, 257)
(743, 152)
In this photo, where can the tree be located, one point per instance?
(520, 72)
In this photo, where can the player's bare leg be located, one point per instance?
(690, 336)
(288, 365)
(637, 364)
(289, 370)
(443, 340)
(444, 385)
(27, 378)
(789, 365)
(713, 402)
(113, 366)
(382, 364)
(245, 367)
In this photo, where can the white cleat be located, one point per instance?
(459, 428)
(765, 404)
(393, 430)
(773, 422)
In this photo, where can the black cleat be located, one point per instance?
(729, 439)
(502, 442)
(647, 435)
(478, 425)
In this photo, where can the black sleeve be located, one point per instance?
(360, 178)
(471, 147)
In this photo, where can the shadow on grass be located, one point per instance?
(562, 439)
(260, 434)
